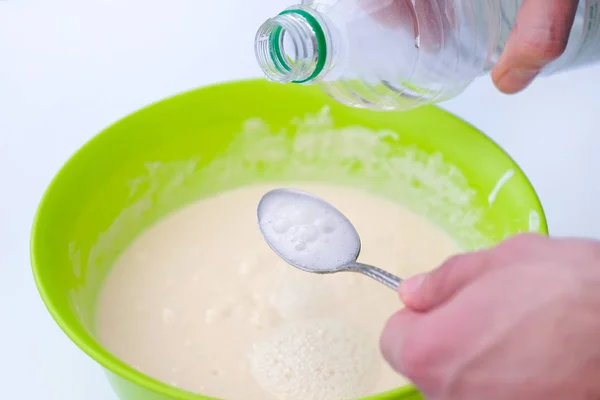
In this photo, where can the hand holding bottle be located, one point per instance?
(539, 37)
(519, 321)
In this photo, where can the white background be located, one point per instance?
(70, 68)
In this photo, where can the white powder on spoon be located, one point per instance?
(306, 231)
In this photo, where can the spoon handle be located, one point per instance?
(390, 280)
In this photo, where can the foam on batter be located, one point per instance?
(318, 359)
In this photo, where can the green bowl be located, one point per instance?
(224, 136)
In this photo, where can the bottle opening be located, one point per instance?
(291, 47)
(289, 51)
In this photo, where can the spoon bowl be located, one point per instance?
(312, 235)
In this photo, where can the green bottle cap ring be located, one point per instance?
(275, 48)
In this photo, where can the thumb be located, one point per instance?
(539, 37)
(427, 291)
(396, 337)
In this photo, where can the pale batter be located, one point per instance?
(201, 302)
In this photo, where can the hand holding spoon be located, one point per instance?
(312, 235)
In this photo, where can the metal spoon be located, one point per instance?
(312, 235)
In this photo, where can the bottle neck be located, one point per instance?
(292, 47)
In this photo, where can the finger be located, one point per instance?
(395, 337)
(426, 291)
(426, 20)
(539, 37)
(522, 247)
(392, 14)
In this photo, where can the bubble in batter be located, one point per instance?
(318, 359)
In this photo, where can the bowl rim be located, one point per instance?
(120, 368)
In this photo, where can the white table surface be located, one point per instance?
(69, 68)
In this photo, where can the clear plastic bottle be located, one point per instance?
(400, 54)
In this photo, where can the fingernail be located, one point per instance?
(411, 285)
(515, 80)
